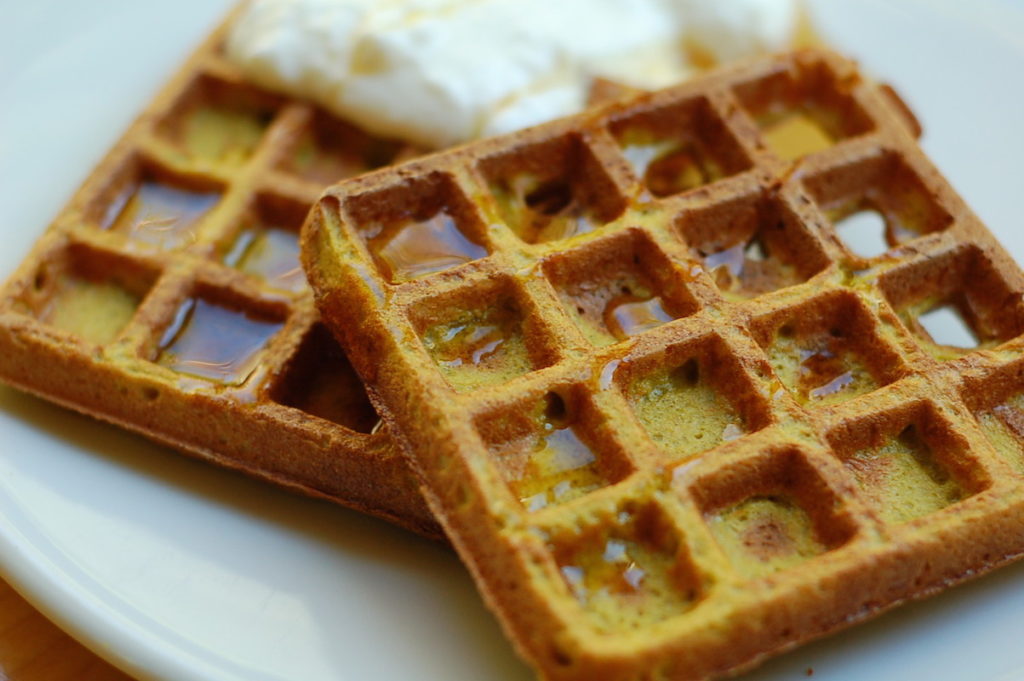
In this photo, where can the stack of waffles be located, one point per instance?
(669, 412)
(167, 296)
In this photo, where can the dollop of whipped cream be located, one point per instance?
(440, 72)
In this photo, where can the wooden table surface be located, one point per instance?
(33, 649)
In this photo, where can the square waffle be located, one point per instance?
(671, 411)
(167, 296)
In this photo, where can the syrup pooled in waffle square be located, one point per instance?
(167, 296)
(670, 406)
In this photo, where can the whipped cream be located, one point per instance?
(440, 72)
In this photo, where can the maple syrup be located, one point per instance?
(410, 249)
(616, 572)
(552, 464)
(607, 375)
(160, 214)
(669, 167)
(630, 574)
(561, 467)
(550, 199)
(469, 344)
(480, 348)
(628, 315)
(270, 253)
(834, 386)
(820, 368)
(214, 343)
(732, 258)
(747, 269)
(541, 212)
(677, 171)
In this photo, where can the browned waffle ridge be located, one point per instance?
(671, 420)
(202, 334)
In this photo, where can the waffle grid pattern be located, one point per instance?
(213, 358)
(812, 502)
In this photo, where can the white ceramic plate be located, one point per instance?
(176, 571)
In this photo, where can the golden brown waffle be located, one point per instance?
(167, 296)
(670, 419)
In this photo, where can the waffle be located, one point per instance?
(672, 414)
(167, 295)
